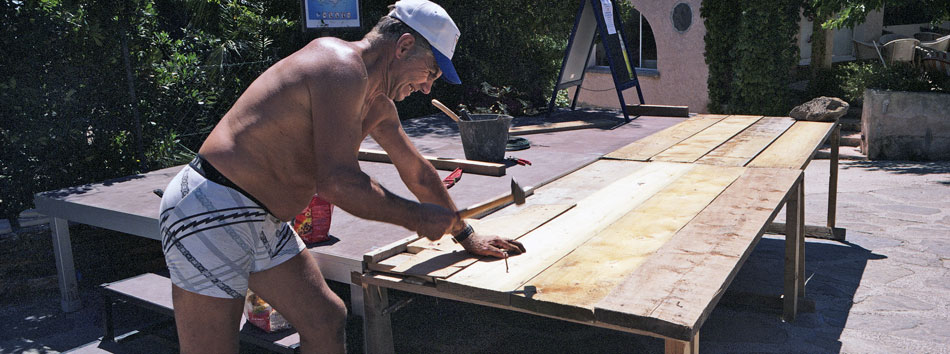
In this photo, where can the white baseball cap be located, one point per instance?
(435, 25)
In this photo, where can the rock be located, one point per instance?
(821, 109)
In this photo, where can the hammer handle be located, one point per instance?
(445, 110)
(486, 206)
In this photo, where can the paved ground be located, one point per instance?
(885, 290)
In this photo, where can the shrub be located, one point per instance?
(854, 78)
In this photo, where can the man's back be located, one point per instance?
(265, 143)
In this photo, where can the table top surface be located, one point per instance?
(129, 205)
(646, 238)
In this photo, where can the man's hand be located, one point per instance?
(434, 220)
(491, 245)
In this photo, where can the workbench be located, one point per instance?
(128, 204)
(644, 240)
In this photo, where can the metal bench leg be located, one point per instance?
(377, 327)
(794, 250)
(65, 269)
(108, 324)
(682, 347)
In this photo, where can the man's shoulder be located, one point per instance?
(331, 56)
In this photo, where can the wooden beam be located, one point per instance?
(644, 149)
(812, 231)
(689, 273)
(698, 145)
(673, 346)
(563, 126)
(441, 163)
(657, 110)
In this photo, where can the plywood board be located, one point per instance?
(741, 149)
(558, 237)
(674, 291)
(696, 146)
(795, 148)
(644, 149)
(591, 271)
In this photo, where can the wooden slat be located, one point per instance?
(796, 147)
(563, 126)
(644, 149)
(674, 291)
(441, 163)
(389, 250)
(741, 149)
(445, 257)
(696, 146)
(591, 271)
(558, 237)
(657, 110)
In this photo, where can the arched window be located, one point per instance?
(639, 40)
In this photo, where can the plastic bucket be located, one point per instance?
(484, 138)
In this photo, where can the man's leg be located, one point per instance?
(297, 290)
(206, 324)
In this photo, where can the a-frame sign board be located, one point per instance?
(603, 17)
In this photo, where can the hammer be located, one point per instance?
(517, 196)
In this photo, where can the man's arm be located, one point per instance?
(337, 133)
(423, 181)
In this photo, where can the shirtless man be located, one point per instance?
(223, 217)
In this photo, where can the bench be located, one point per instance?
(153, 292)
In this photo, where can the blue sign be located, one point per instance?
(331, 13)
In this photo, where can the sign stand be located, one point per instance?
(603, 16)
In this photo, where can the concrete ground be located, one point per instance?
(885, 290)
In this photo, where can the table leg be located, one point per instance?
(833, 176)
(377, 327)
(356, 299)
(794, 244)
(65, 269)
(674, 346)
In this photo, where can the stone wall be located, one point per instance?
(898, 125)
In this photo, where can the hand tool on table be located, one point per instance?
(445, 110)
(452, 178)
(517, 196)
(518, 161)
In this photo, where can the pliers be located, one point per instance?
(521, 162)
(453, 177)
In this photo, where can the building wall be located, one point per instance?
(681, 74)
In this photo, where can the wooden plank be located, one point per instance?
(591, 271)
(389, 250)
(563, 126)
(812, 231)
(558, 237)
(644, 149)
(741, 149)
(796, 147)
(442, 163)
(657, 110)
(444, 257)
(696, 146)
(676, 289)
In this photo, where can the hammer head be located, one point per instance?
(517, 193)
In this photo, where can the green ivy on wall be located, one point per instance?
(750, 50)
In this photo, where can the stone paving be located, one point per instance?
(885, 290)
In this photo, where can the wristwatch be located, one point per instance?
(464, 234)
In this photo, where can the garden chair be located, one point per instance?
(936, 61)
(899, 50)
(926, 36)
(891, 37)
(865, 50)
(939, 44)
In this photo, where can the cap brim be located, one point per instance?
(448, 70)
